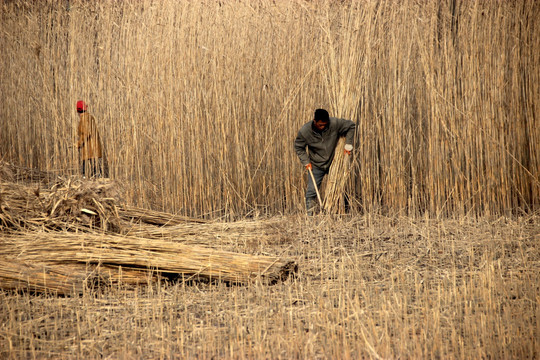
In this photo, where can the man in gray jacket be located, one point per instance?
(320, 137)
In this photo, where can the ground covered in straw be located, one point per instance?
(366, 287)
(83, 275)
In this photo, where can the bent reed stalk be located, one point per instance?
(198, 102)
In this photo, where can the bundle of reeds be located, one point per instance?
(139, 215)
(334, 195)
(70, 204)
(250, 233)
(16, 274)
(144, 254)
(66, 278)
(91, 251)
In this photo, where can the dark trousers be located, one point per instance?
(92, 168)
(311, 194)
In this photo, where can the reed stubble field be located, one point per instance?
(198, 103)
(367, 287)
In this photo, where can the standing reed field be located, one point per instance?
(198, 102)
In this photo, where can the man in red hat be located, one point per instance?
(89, 143)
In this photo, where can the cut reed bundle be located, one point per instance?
(334, 201)
(23, 275)
(112, 274)
(66, 278)
(73, 204)
(70, 204)
(155, 254)
(251, 233)
(130, 213)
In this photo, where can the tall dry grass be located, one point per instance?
(198, 102)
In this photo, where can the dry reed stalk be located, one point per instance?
(334, 201)
(148, 254)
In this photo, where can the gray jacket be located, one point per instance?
(322, 145)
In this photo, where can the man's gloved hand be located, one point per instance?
(347, 149)
(309, 167)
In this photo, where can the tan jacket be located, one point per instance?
(89, 143)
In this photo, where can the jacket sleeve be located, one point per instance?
(346, 128)
(300, 148)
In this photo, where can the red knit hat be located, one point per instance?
(81, 106)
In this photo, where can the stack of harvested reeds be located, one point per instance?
(52, 252)
(76, 204)
(130, 213)
(334, 196)
(66, 278)
(70, 204)
(36, 255)
(16, 274)
(221, 235)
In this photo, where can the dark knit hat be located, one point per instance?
(321, 114)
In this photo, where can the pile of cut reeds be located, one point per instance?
(74, 204)
(70, 204)
(248, 233)
(51, 253)
(16, 274)
(77, 233)
(334, 195)
(66, 278)
(147, 216)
